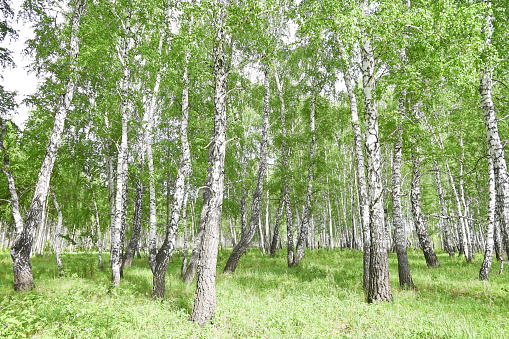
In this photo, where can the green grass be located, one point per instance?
(322, 298)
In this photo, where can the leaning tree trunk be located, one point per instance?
(286, 179)
(58, 233)
(16, 215)
(116, 229)
(405, 276)
(205, 301)
(22, 246)
(379, 285)
(245, 240)
(484, 273)
(422, 233)
(361, 175)
(306, 215)
(166, 251)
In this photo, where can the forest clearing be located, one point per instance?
(272, 168)
(322, 298)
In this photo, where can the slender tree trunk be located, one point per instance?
(232, 233)
(361, 175)
(245, 240)
(405, 276)
(22, 246)
(186, 233)
(58, 233)
(205, 301)
(444, 222)
(16, 215)
(166, 251)
(135, 235)
(494, 143)
(111, 191)
(116, 229)
(149, 135)
(306, 215)
(379, 285)
(484, 273)
(422, 233)
(286, 179)
(190, 273)
(98, 230)
(466, 231)
(275, 235)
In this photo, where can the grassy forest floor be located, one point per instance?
(322, 298)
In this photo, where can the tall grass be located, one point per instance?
(322, 298)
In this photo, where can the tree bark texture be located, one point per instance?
(286, 178)
(361, 174)
(405, 276)
(58, 240)
(444, 221)
(149, 135)
(22, 246)
(484, 273)
(165, 253)
(116, 229)
(205, 300)
(98, 230)
(420, 228)
(306, 214)
(246, 237)
(275, 234)
(379, 287)
(135, 235)
(16, 215)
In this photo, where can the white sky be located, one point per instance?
(18, 79)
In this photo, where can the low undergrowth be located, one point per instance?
(322, 298)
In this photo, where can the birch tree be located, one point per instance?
(22, 246)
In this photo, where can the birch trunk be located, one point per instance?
(205, 301)
(405, 276)
(361, 175)
(98, 230)
(186, 233)
(494, 143)
(135, 235)
(444, 221)
(422, 233)
(275, 235)
(379, 288)
(462, 240)
(484, 273)
(16, 215)
(165, 253)
(149, 135)
(246, 237)
(58, 232)
(286, 179)
(22, 246)
(306, 214)
(116, 229)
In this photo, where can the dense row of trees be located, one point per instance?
(367, 125)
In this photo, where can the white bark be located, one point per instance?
(20, 250)
(116, 229)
